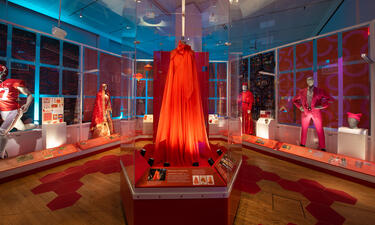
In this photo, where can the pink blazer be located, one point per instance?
(320, 99)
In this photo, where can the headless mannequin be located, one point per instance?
(310, 101)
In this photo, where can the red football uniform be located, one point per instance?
(9, 94)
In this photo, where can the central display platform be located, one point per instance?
(181, 195)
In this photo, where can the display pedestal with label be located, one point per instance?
(180, 195)
(352, 142)
(265, 128)
(53, 135)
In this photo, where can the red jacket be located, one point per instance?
(320, 99)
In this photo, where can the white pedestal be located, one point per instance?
(352, 142)
(53, 135)
(265, 128)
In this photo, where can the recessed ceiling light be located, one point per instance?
(128, 27)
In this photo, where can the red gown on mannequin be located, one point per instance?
(181, 137)
(101, 122)
(247, 99)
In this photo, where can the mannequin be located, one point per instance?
(11, 112)
(247, 99)
(310, 101)
(101, 122)
(353, 119)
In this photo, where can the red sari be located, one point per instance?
(181, 137)
(101, 122)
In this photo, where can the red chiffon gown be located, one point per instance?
(181, 137)
(101, 122)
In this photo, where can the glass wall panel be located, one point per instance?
(150, 105)
(70, 82)
(116, 107)
(90, 84)
(24, 72)
(91, 60)
(3, 39)
(141, 107)
(150, 88)
(88, 107)
(49, 81)
(23, 45)
(71, 110)
(141, 88)
(337, 63)
(70, 55)
(356, 75)
(49, 50)
(110, 73)
(212, 71)
(222, 71)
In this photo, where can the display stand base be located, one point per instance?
(352, 142)
(183, 206)
(54, 135)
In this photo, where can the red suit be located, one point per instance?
(320, 100)
(181, 133)
(247, 99)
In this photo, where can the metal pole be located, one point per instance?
(58, 24)
(183, 20)
(371, 154)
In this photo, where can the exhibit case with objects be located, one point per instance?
(61, 99)
(322, 105)
(191, 155)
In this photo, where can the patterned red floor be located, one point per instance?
(66, 183)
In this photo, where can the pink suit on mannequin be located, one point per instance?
(310, 101)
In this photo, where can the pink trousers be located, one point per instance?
(316, 116)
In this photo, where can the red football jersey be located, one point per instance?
(9, 94)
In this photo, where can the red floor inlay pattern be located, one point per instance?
(320, 197)
(66, 183)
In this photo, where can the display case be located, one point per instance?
(192, 90)
(66, 116)
(316, 128)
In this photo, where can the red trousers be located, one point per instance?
(247, 122)
(316, 116)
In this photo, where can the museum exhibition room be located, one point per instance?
(187, 112)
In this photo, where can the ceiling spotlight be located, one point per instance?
(80, 15)
(128, 27)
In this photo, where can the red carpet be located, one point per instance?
(66, 183)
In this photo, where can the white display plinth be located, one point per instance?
(53, 135)
(352, 142)
(265, 128)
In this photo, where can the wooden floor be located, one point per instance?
(100, 202)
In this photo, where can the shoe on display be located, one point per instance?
(323, 149)
(302, 145)
(31, 126)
